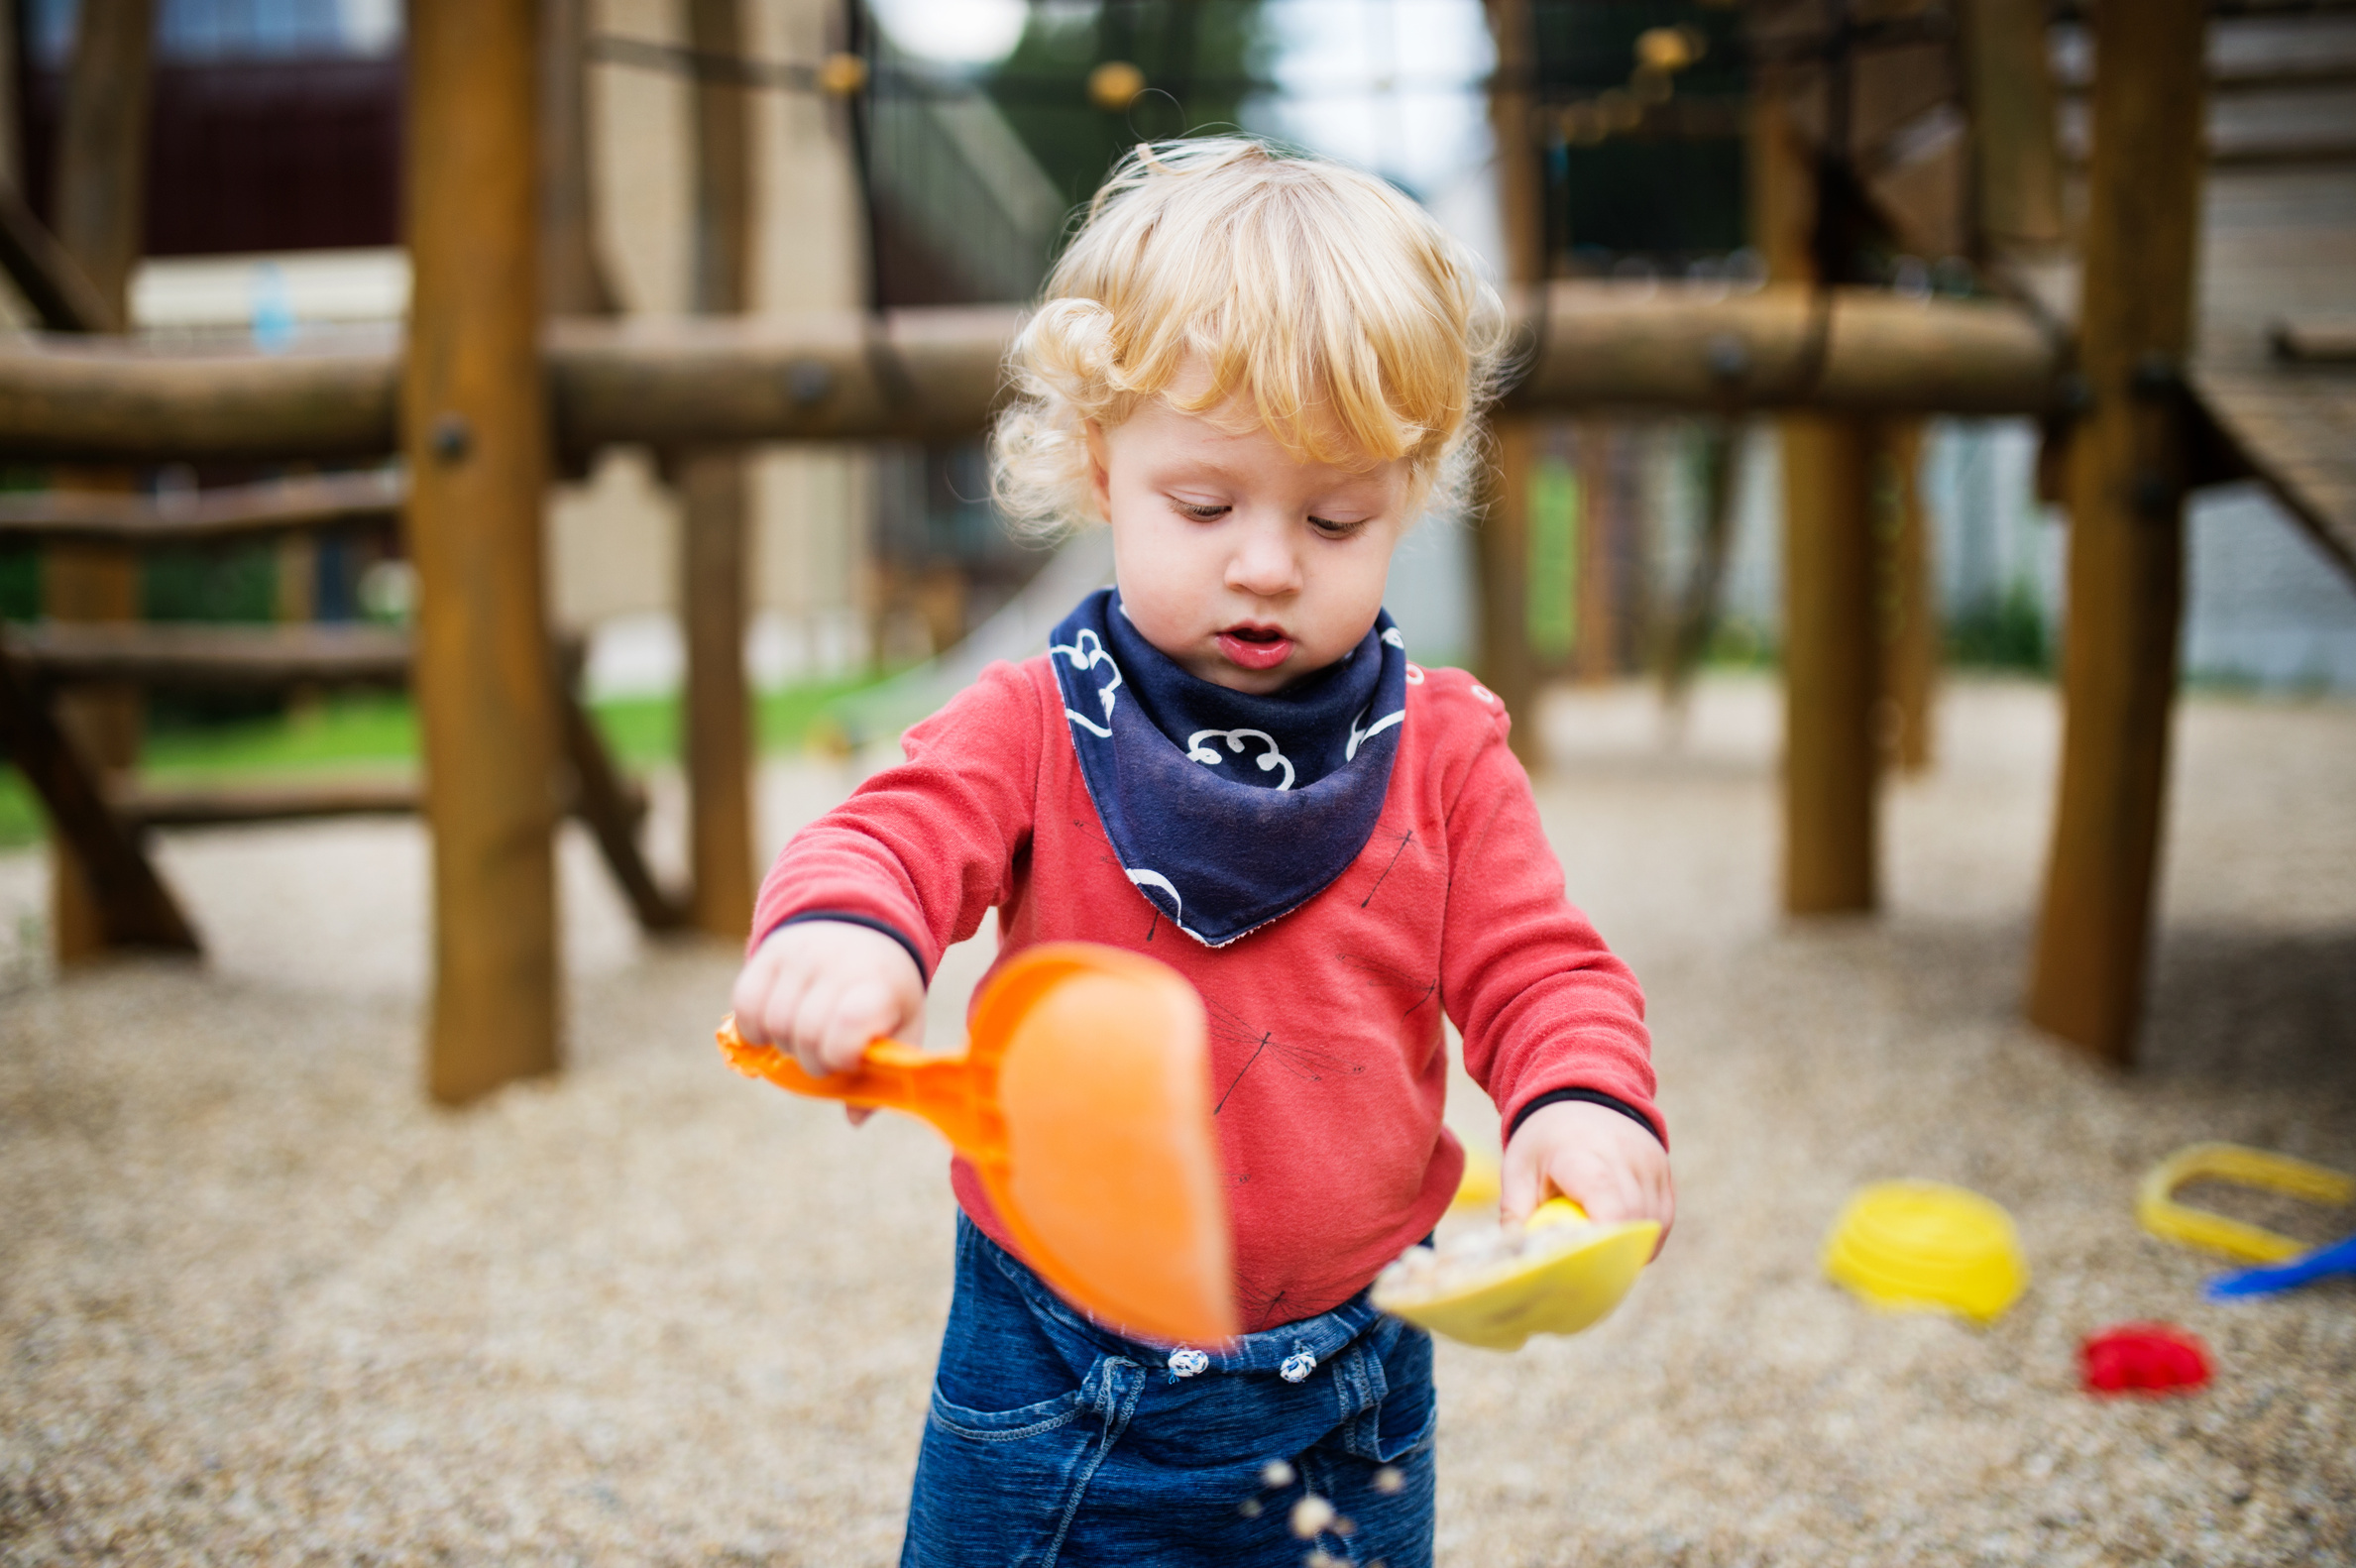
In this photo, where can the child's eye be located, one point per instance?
(1336, 530)
(1201, 511)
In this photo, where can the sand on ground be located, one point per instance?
(260, 1301)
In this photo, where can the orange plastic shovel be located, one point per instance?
(1083, 1104)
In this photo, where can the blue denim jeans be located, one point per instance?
(1053, 1441)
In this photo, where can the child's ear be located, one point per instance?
(1099, 470)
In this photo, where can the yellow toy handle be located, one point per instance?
(2157, 1209)
(1555, 1211)
(890, 1077)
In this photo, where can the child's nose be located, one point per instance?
(1263, 565)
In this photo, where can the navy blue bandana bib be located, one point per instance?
(1228, 810)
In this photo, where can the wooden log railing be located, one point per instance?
(131, 903)
(46, 655)
(144, 805)
(370, 497)
(148, 653)
(937, 374)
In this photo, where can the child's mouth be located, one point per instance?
(1256, 648)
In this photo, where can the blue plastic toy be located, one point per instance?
(2338, 1258)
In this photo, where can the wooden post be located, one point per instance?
(1504, 498)
(716, 571)
(573, 280)
(101, 190)
(1831, 653)
(1595, 633)
(474, 432)
(1910, 597)
(1501, 502)
(12, 153)
(713, 587)
(2126, 483)
(1831, 641)
(2016, 165)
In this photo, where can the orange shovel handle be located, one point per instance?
(890, 1077)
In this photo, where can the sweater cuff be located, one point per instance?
(1584, 1098)
(846, 917)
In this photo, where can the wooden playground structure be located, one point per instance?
(508, 372)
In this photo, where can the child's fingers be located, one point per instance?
(769, 987)
(1518, 1186)
(862, 1011)
(812, 1016)
(768, 995)
(1607, 1189)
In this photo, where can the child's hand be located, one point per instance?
(823, 988)
(1595, 1156)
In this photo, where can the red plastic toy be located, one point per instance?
(2144, 1358)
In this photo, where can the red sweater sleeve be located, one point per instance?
(927, 846)
(1542, 1004)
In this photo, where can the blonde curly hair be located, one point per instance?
(1325, 302)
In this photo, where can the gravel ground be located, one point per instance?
(261, 1302)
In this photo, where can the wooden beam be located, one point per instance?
(1697, 348)
(1503, 539)
(101, 188)
(1830, 628)
(100, 202)
(715, 586)
(2295, 428)
(62, 298)
(1501, 501)
(210, 517)
(715, 576)
(613, 807)
(2323, 72)
(935, 375)
(1830, 667)
(474, 427)
(144, 805)
(2016, 167)
(130, 904)
(196, 656)
(1909, 595)
(2308, 341)
(721, 256)
(12, 102)
(1685, 633)
(1595, 630)
(68, 399)
(573, 277)
(2126, 485)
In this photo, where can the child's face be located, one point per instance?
(1248, 566)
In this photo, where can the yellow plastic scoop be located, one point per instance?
(1558, 1273)
(1083, 1104)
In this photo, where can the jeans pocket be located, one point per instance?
(1007, 1427)
(1000, 1486)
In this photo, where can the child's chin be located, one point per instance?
(1260, 683)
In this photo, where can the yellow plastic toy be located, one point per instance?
(1482, 1182)
(2158, 1211)
(1910, 1245)
(1083, 1102)
(1558, 1275)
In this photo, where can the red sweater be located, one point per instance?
(1326, 1046)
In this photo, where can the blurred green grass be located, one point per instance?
(362, 732)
